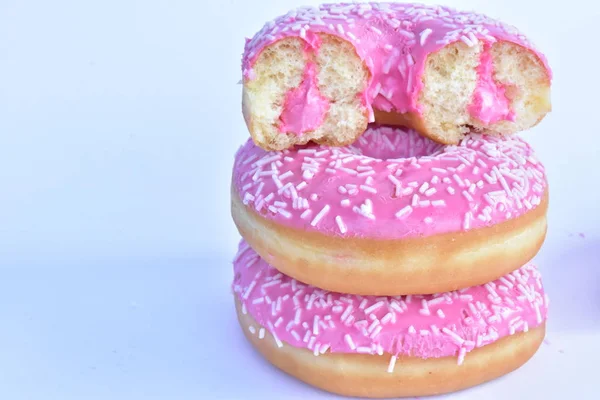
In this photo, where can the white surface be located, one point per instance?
(118, 123)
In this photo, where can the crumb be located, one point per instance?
(546, 342)
(561, 351)
(582, 235)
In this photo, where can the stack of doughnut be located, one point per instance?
(389, 209)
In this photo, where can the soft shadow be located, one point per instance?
(571, 276)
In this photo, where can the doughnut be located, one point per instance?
(398, 346)
(322, 74)
(394, 213)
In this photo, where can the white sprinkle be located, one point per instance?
(261, 333)
(392, 364)
(279, 344)
(260, 300)
(362, 304)
(278, 322)
(467, 41)
(428, 220)
(450, 190)
(345, 202)
(458, 180)
(366, 173)
(316, 325)
(506, 282)
(306, 336)
(349, 341)
(340, 224)
(404, 212)
(295, 335)
(461, 355)
(424, 187)
(305, 214)
(347, 312)
(396, 182)
(467, 195)
(396, 306)
(430, 192)
(438, 203)
(415, 200)
(285, 175)
(248, 198)
(374, 29)
(301, 185)
(368, 188)
(359, 210)
(454, 336)
(249, 289)
(374, 307)
(467, 220)
(424, 35)
(374, 324)
(440, 313)
(285, 213)
(538, 313)
(363, 350)
(386, 318)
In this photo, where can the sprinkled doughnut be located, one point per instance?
(322, 74)
(390, 346)
(394, 213)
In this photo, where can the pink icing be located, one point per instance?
(444, 324)
(490, 104)
(304, 108)
(393, 39)
(391, 183)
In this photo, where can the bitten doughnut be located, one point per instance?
(390, 346)
(395, 213)
(321, 74)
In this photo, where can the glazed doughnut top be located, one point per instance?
(391, 184)
(439, 325)
(393, 39)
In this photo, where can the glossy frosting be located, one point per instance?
(304, 108)
(444, 324)
(394, 40)
(391, 184)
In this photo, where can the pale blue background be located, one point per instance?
(118, 123)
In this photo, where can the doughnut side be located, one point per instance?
(365, 375)
(299, 94)
(424, 265)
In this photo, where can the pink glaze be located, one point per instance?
(304, 108)
(440, 325)
(391, 184)
(393, 39)
(490, 104)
